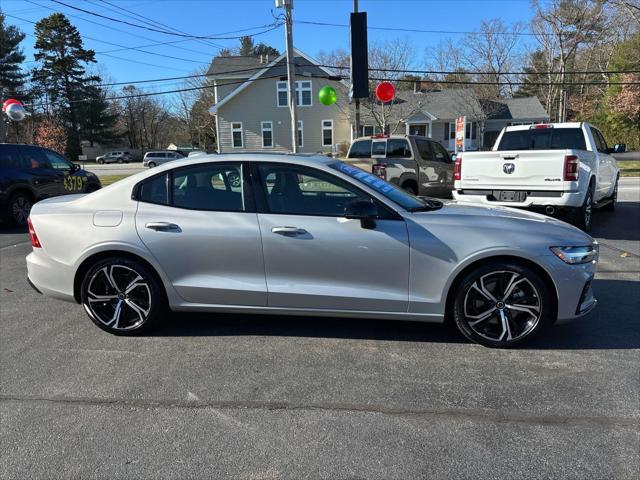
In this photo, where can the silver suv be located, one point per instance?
(417, 164)
(152, 159)
(118, 156)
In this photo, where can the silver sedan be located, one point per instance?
(301, 236)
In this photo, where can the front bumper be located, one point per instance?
(532, 199)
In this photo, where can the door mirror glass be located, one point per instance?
(363, 210)
(74, 167)
(619, 148)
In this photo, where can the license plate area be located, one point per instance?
(509, 196)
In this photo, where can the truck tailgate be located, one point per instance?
(513, 170)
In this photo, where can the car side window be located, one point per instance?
(34, 158)
(294, 190)
(440, 154)
(57, 161)
(215, 186)
(360, 149)
(398, 148)
(603, 142)
(155, 190)
(597, 139)
(379, 148)
(424, 149)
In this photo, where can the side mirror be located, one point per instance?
(362, 210)
(75, 167)
(620, 148)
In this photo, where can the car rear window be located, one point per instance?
(543, 139)
(398, 148)
(155, 190)
(360, 149)
(9, 156)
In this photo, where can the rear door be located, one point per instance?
(72, 182)
(45, 181)
(605, 166)
(436, 170)
(204, 233)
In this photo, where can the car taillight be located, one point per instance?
(571, 168)
(457, 168)
(33, 236)
(379, 170)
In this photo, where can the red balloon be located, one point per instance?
(385, 92)
(10, 102)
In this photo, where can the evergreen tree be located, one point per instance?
(11, 77)
(98, 118)
(61, 75)
(246, 46)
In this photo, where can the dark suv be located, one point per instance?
(29, 173)
(417, 164)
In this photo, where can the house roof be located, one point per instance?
(450, 103)
(237, 65)
(305, 67)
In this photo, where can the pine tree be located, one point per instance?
(98, 118)
(11, 77)
(61, 75)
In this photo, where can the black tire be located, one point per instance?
(409, 187)
(19, 208)
(123, 312)
(480, 318)
(611, 206)
(583, 216)
(120, 160)
(151, 164)
(101, 162)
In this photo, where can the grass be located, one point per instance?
(629, 168)
(109, 179)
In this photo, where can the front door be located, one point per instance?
(315, 258)
(204, 233)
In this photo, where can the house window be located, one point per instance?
(303, 94)
(283, 97)
(300, 134)
(327, 133)
(368, 130)
(267, 134)
(471, 130)
(236, 135)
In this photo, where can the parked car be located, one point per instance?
(557, 168)
(417, 164)
(119, 156)
(29, 174)
(305, 236)
(153, 159)
(195, 153)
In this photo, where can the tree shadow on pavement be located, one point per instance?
(614, 324)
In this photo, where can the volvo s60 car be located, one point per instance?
(305, 236)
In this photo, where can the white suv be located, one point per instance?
(151, 159)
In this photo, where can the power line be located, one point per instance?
(152, 22)
(269, 27)
(417, 30)
(470, 72)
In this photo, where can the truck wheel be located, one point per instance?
(409, 187)
(582, 215)
(610, 207)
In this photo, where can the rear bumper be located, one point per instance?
(533, 198)
(49, 277)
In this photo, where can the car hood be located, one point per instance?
(503, 224)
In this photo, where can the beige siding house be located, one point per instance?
(252, 111)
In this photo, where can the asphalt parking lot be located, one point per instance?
(213, 396)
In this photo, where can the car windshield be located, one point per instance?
(388, 190)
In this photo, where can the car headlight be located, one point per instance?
(576, 255)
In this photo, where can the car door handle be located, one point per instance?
(288, 230)
(163, 227)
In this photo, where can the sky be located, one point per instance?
(211, 17)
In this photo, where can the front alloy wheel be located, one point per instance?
(502, 305)
(122, 296)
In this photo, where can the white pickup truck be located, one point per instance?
(557, 168)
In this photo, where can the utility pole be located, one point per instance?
(291, 70)
(357, 100)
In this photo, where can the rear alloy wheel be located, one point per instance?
(101, 162)
(120, 160)
(583, 215)
(151, 164)
(234, 180)
(502, 305)
(122, 296)
(19, 208)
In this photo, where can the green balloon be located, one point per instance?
(327, 95)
